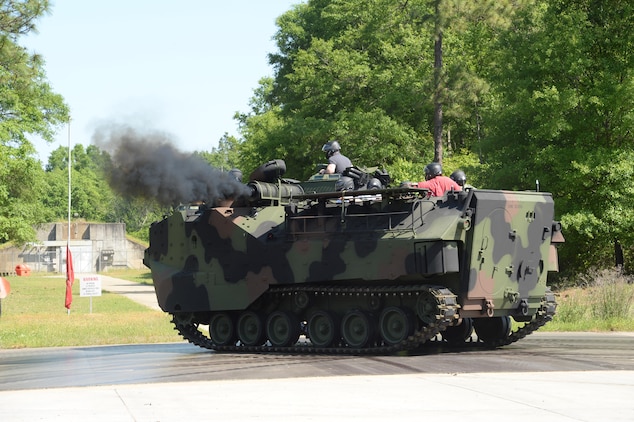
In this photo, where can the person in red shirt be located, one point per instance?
(436, 182)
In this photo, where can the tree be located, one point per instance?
(362, 71)
(531, 93)
(226, 155)
(21, 189)
(337, 76)
(564, 115)
(260, 128)
(457, 17)
(91, 197)
(28, 106)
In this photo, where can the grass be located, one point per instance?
(138, 276)
(33, 315)
(605, 304)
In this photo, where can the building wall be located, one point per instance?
(95, 247)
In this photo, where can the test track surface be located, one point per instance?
(183, 362)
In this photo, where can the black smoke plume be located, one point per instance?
(148, 165)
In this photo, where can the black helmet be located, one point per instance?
(331, 147)
(236, 173)
(459, 177)
(432, 170)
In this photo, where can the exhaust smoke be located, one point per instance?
(148, 165)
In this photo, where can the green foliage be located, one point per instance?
(225, 156)
(358, 77)
(571, 307)
(262, 142)
(600, 208)
(137, 214)
(534, 93)
(91, 197)
(28, 107)
(360, 72)
(27, 103)
(466, 161)
(613, 295)
(404, 169)
(21, 187)
(563, 115)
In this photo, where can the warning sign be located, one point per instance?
(90, 285)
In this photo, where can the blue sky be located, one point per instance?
(183, 68)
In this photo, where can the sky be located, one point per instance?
(181, 68)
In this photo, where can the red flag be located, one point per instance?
(70, 278)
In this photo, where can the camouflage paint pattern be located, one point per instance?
(491, 248)
(509, 251)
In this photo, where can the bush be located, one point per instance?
(572, 307)
(611, 292)
(598, 300)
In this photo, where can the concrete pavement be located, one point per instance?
(517, 397)
(141, 293)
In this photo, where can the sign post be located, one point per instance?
(89, 286)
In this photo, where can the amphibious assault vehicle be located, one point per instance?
(304, 267)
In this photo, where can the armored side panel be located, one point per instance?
(215, 259)
(493, 251)
(225, 258)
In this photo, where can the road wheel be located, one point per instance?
(395, 325)
(357, 329)
(323, 329)
(251, 329)
(458, 334)
(282, 328)
(493, 329)
(222, 329)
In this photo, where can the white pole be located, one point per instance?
(69, 165)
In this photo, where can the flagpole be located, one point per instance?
(68, 238)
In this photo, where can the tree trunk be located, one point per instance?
(438, 88)
(618, 255)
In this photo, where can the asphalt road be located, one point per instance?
(183, 362)
(545, 377)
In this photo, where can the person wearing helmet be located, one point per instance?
(435, 182)
(337, 162)
(459, 177)
(236, 174)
